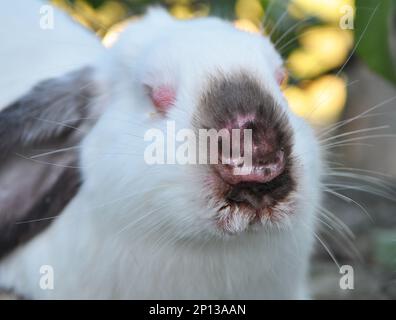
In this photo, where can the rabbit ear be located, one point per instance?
(39, 147)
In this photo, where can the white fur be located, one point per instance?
(139, 231)
(30, 54)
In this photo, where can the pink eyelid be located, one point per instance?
(163, 97)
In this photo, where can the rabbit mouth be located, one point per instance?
(249, 204)
(256, 196)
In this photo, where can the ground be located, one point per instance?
(374, 263)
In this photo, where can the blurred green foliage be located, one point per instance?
(385, 248)
(373, 25)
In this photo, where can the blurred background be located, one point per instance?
(340, 56)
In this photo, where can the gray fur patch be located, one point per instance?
(54, 116)
(52, 109)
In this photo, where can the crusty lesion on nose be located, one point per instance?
(240, 102)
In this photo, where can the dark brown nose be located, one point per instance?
(259, 158)
(255, 171)
(239, 101)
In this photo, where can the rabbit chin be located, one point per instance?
(235, 221)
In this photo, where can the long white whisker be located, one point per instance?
(327, 249)
(366, 189)
(338, 222)
(355, 132)
(277, 24)
(61, 124)
(267, 14)
(359, 40)
(349, 200)
(359, 116)
(54, 151)
(374, 136)
(347, 145)
(290, 30)
(361, 177)
(341, 169)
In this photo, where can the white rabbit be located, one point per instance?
(125, 229)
